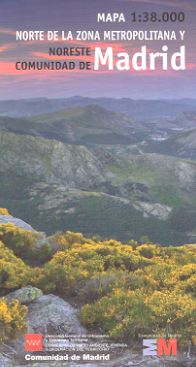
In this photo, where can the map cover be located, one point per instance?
(97, 183)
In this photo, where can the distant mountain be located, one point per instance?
(80, 125)
(180, 144)
(143, 110)
(185, 144)
(95, 126)
(90, 124)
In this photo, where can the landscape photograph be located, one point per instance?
(97, 188)
(113, 168)
(98, 222)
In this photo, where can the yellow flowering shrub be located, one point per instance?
(4, 211)
(123, 289)
(12, 319)
(24, 243)
(14, 273)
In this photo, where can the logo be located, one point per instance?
(159, 347)
(33, 342)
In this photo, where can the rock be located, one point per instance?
(5, 361)
(156, 210)
(4, 219)
(186, 175)
(49, 160)
(25, 295)
(51, 314)
(47, 314)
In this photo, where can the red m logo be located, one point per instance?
(167, 347)
(159, 347)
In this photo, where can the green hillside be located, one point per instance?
(58, 186)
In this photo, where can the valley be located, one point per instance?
(81, 167)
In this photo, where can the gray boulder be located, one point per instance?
(5, 361)
(47, 314)
(157, 210)
(51, 314)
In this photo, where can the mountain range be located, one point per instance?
(148, 110)
(71, 164)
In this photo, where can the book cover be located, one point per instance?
(97, 183)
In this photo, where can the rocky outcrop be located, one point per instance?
(25, 295)
(5, 361)
(4, 219)
(157, 210)
(47, 314)
(185, 144)
(51, 314)
(49, 160)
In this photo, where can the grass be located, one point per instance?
(162, 188)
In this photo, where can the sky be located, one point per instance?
(82, 15)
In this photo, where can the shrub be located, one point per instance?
(4, 211)
(98, 286)
(24, 243)
(14, 273)
(123, 315)
(148, 250)
(12, 319)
